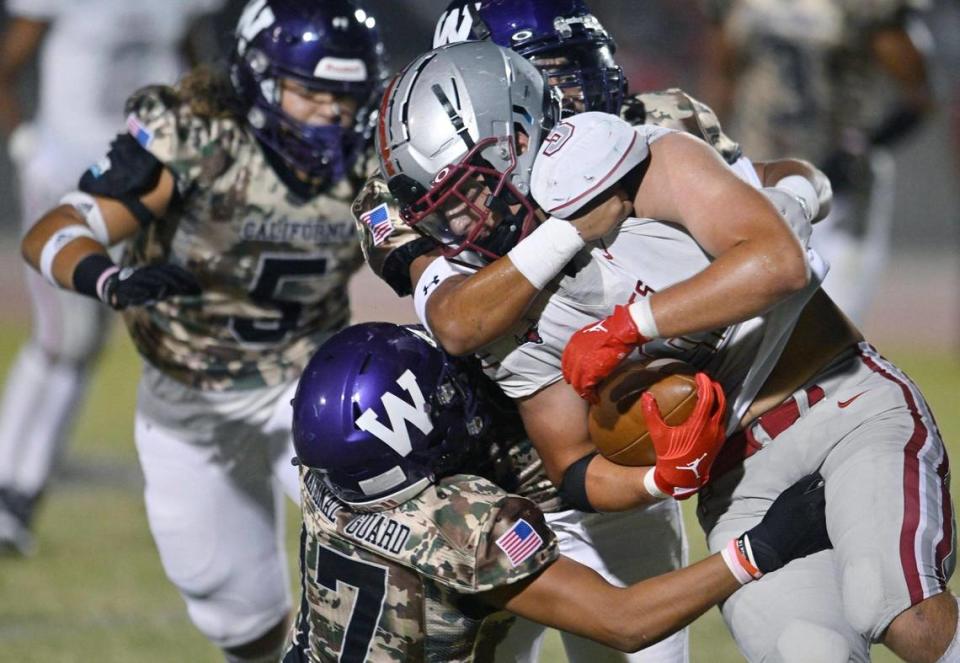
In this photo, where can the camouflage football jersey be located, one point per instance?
(273, 266)
(804, 71)
(400, 585)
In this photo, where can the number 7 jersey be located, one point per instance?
(400, 585)
(273, 266)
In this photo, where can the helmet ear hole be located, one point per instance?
(406, 189)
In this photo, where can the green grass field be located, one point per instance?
(95, 591)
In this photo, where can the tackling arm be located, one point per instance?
(467, 312)
(572, 597)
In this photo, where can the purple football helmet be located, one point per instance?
(381, 413)
(331, 46)
(561, 37)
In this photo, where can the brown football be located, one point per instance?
(616, 423)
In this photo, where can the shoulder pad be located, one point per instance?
(582, 157)
(489, 538)
(190, 146)
(465, 533)
(389, 245)
(675, 109)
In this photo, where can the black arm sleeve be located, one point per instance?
(128, 172)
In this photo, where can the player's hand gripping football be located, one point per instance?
(794, 526)
(145, 285)
(686, 452)
(595, 350)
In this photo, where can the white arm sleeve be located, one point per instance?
(436, 273)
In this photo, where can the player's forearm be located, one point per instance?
(573, 598)
(465, 314)
(612, 487)
(65, 261)
(745, 281)
(656, 608)
(772, 173)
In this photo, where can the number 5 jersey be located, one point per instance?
(273, 265)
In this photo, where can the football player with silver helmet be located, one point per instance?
(696, 264)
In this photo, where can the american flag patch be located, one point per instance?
(378, 220)
(143, 135)
(519, 542)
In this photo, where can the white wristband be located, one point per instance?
(436, 273)
(642, 315)
(651, 485)
(55, 244)
(543, 253)
(740, 561)
(88, 207)
(804, 190)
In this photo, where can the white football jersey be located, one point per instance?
(641, 257)
(96, 54)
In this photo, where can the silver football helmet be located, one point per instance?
(450, 134)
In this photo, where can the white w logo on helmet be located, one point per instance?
(256, 16)
(454, 26)
(397, 437)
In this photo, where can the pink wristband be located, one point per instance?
(736, 555)
(107, 273)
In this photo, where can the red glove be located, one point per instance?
(595, 350)
(685, 452)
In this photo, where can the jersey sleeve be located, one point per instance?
(477, 537)
(389, 245)
(164, 126)
(516, 544)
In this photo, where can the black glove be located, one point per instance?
(795, 526)
(145, 285)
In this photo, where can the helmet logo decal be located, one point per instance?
(557, 138)
(397, 436)
(523, 35)
(453, 26)
(442, 175)
(256, 17)
(350, 70)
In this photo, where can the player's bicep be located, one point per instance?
(689, 184)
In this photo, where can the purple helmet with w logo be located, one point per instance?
(381, 412)
(561, 37)
(331, 46)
